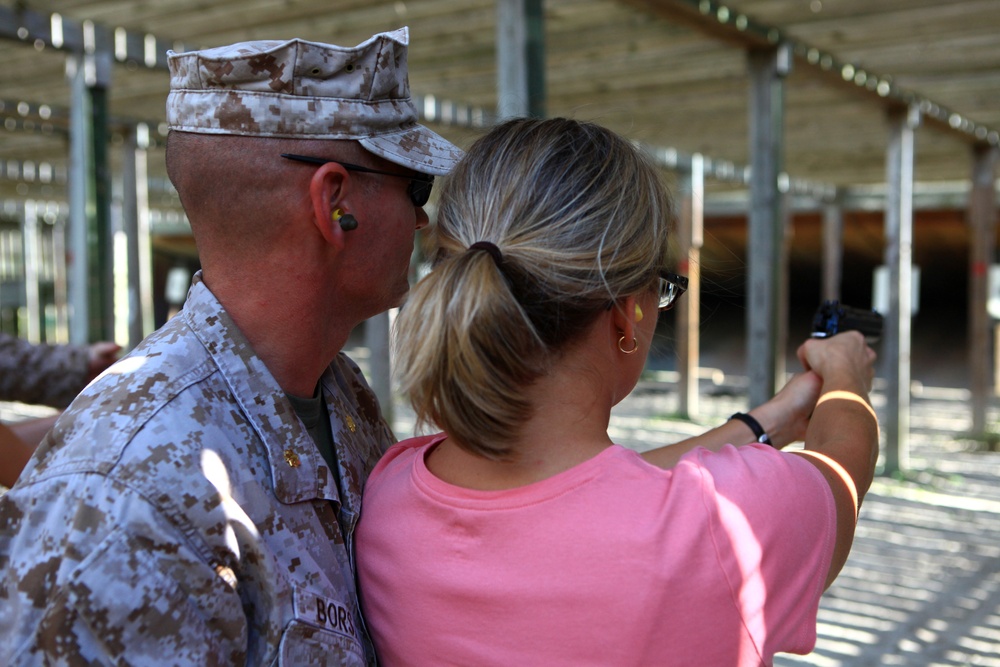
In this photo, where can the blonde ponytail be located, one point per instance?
(465, 353)
(579, 218)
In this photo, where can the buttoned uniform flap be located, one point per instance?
(298, 470)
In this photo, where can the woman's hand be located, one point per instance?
(842, 359)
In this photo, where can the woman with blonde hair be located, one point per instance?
(521, 534)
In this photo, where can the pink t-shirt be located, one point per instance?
(719, 561)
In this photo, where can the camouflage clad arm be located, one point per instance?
(109, 580)
(41, 374)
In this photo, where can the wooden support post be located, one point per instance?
(690, 237)
(982, 237)
(899, 262)
(767, 69)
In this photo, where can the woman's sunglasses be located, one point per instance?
(671, 287)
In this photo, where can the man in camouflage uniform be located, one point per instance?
(196, 504)
(42, 375)
(49, 374)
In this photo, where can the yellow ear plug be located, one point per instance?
(336, 214)
(638, 313)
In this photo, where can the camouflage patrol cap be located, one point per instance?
(307, 90)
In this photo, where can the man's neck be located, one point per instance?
(295, 337)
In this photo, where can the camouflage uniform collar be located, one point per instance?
(298, 470)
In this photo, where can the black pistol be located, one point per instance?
(833, 317)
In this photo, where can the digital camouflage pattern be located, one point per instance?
(179, 513)
(299, 89)
(41, 374)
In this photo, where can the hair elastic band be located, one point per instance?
(490, 248)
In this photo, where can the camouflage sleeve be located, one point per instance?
(41, 374)
(113, 582)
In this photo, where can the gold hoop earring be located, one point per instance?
(635, 345)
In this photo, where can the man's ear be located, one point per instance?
(327, 192)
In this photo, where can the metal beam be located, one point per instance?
(49, 119)
(60, 294)
(726, 171)
(135, 209)
(783, 277)
(80, 149)
(31, 239)
(951, 195)
(765, 241)
(28, 171)
(982, 237)
(91, 283)
(520, 59)
(899, 261)
(727, 24)
(379, 366)
(61, 32)
(690, 238)
(434, 109)
(100, 256)
(833, 248)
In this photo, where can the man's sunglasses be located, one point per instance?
(419, 188)
(671, 288)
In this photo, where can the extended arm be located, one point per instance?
(49, 374)
(843, 436)
(784, 418)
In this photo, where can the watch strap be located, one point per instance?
(758, 430)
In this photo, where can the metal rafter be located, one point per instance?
(727, 24)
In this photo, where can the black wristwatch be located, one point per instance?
(758, 430)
